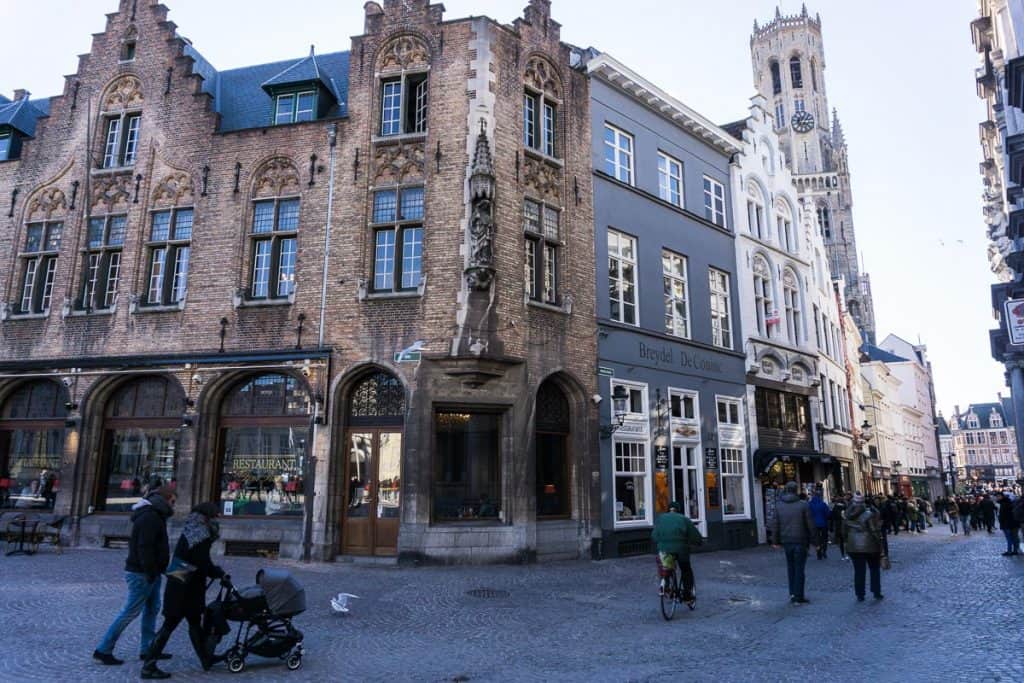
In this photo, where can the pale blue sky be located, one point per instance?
(900, 73)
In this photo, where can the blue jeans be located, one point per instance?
(1012, 540)
(953, 519)
(796, 562)
(144, 598)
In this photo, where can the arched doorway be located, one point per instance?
(552, 437)
(262, 447)
(373, 466)
(32, 445)
(141, 439)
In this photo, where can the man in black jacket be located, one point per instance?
(793, 529)
(148, 555)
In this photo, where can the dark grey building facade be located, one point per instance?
(670, 359)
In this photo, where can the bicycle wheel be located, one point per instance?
(669, 595)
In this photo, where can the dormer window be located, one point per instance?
(295, 107)
(5, 146)
(121, 142)
(128, 51)
(404, 104)
(997, 422)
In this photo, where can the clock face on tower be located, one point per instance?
(802, 121)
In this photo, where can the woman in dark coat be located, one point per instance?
(187, 600)
(865, 544)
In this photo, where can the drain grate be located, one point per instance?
(488, 593)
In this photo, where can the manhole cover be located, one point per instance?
(487, 593)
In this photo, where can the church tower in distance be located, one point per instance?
(788, 58)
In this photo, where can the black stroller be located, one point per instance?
(264, 613)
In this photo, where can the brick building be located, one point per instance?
(349, 297)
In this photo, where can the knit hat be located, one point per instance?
(791, 487)
(858, 498)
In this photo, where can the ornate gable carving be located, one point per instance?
(543, 179)
(47, 204)
(404, 52)
(111, 192)
(176, 189)
(398, 163)
(276, 178)
(543, 76)
(123, 93)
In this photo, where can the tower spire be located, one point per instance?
(838, 138)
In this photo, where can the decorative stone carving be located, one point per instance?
(398, 163)
(124, 93)
(275, 178)
(176, 189)
(542, 75)
(111, 192)
(404, 52)
(480, 270)
(47, 203)
(545, 180)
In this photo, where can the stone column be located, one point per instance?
(1016, 372)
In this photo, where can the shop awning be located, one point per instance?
(764, 458)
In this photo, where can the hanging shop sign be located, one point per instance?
(1015, 320)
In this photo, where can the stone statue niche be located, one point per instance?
(480, 269)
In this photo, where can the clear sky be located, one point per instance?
(900, 73)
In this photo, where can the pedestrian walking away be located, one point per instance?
(675, 534)
(865, 543)
(793, 528)
(954, 514)
(836, 519)
(819, 515)
(185, 596)
(988, 514)
(1009, 524)
(966, 514)
(147, 559)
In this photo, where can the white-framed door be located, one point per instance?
(688, 483)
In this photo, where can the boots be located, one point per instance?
(199, 644)
(156, 650)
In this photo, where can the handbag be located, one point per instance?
(885, 563)
(180, 570)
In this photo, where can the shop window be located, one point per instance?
(467, 466)
(32, 445)
(263, 447)
(734, 482)
(630, 481)
(553, 420)
(141, 440)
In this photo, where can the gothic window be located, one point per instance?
(102, 262)
(39, 265)
(378, 396)
(780, 114)
(798, 105)
(404, 104)
(755, 211)
(784, 224)
(543, 242)
(397, 224)
(121, 119)
(824, 222)
(274, 241)
(540, 122)
(763, 296)
(776, 77)
(791, 299)
(169, 248)
(795, 73)
(552, 432)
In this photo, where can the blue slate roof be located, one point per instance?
(239, 96)
(875, 353)
(23, 114)
(984, 413)
(943, 427)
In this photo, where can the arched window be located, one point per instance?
(755, 210)
(120, 121)
(553, 420)
(541, 96)
(32, 445)
(784, 223)
(824, 222)
(403, 67)
(795, 73)
(813, 68)
(776, 78)
(763, 296)
(791, 298)
(274, 233)
(263, 444)
(141, 440)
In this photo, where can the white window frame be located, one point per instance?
(689, 436)
(732, 436)
(671, 279)
(714, 202)
(612, 166)
(670, 171)
(791, 302)
(636, 431)
(726, 297)
(636, 289)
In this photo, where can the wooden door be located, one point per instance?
(373, 492)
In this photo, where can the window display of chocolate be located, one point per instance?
(32, 445)
(466, 474)
(265, 430)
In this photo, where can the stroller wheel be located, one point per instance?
(235, 664)
(294, 662)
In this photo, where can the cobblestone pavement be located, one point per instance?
(951, 612)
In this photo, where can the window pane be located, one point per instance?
(391, 106)
(286, 267)
(263, 217)
(288, 215)
(412, 204)
(34, 238)
(113, 278)
(180, 283)
(131, 143)
(161, 229)
(420, 118)
(385, 206)
(92, 271)
(412, 257)
(531, 268)
(285, 105)
(630, 481)
(384, 260)
(549, 130)
(304, 111)
(118, 226)
(110, 145)
(530, 120)
(51, 274)
(732, 495)
(31, 468)
(466, 466)
(96, 228)
(262, 470)
(261, 269)
(28, 284)
(551, 223)
(531, 216)
(5, 147)
(550, 273)
(156, 275)
(136, 455)
(54, 233)
(183, 224)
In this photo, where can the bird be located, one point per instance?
(340, 602)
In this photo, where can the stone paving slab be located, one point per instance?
(951, 613)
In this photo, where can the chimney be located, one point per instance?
(21, 94)
(956, 411)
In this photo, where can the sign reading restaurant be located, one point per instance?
(1015, 320)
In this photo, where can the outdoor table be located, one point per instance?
(27, 533)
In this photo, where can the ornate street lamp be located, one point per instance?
(620, 398)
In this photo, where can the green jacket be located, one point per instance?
(675, 533)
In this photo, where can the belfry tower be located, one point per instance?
(788, 58)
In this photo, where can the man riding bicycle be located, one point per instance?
(675, 534)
